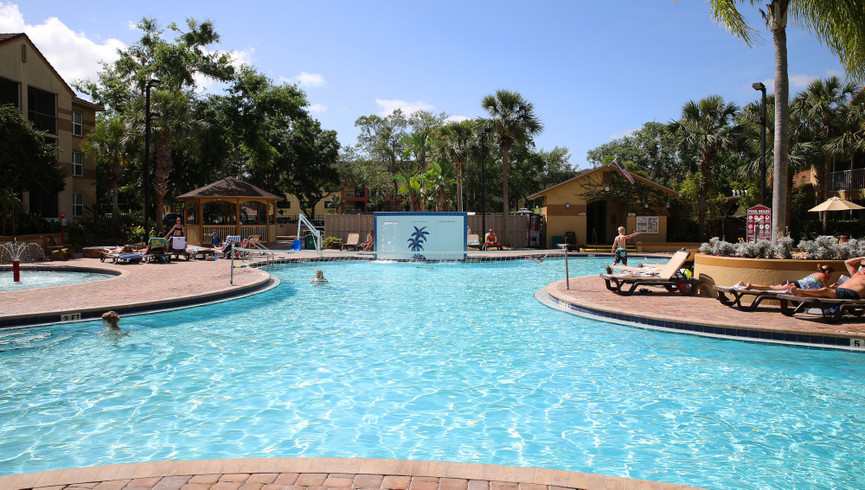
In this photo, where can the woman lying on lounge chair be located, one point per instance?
(853, 288)
(817, 280)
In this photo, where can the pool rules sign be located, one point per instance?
(759, 225)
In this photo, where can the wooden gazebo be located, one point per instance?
(234, 207)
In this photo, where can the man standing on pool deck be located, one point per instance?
(620, 248)
(853, 288)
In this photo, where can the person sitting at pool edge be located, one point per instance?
(620, 247)
(817, 280)
(853, 288)
(491, 240)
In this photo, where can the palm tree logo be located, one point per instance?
(415, 243)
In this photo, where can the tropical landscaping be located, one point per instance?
(211, 118)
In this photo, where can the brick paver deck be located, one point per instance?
(320, 473)
(672, 307)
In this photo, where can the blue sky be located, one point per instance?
(594, 70)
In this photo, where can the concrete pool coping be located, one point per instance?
(277, 473)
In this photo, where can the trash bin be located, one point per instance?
(309, 242)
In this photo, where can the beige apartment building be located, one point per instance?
(31, 84)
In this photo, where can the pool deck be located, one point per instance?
(150, 287)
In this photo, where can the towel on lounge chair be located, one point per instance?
(669, 277)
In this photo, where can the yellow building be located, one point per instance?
(290, 208)
(31, 84)
(566, 209)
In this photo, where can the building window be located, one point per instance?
(77, 204)
(77, 120)
(77, 164)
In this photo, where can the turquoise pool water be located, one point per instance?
(43, 279)
(432, 362)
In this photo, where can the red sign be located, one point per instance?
(759, 224)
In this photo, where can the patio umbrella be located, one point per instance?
(835, 203)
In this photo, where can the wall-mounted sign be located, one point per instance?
(647, 224)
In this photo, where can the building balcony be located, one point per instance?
(848, 180)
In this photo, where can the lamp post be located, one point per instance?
(484, 133)
(762, 88)
(148, 115)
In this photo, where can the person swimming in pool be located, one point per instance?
(319, 278)
(110, 321)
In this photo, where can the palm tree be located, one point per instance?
(821, 107)
(513, 121)
(706, 127)
(174, 128)
(840, 24)
(454, 141)
(106, 144)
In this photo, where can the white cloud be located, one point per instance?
(72, 54)
(310, 79)
(316, 108)
(388, 106)
(237, 57)
(458, 119)
(622, 134)
(798, 82)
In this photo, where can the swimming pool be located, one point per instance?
(433, 362)
(43, 278)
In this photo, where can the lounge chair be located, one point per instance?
(228, 245)
(156, 250)
(177, 248)
(738, 293)
(122, 255)
(352, 242)
(473, 240)
(56, 252)
(831, 309)
(667, 277)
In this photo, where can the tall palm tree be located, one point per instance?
(513, 121)
(174, 128)
(822, 105)
(706, 127)
(453, 143)
(106, 144)
(840, 24)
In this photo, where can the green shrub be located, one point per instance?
(332, 242)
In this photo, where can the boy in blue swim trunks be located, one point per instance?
(620, 249)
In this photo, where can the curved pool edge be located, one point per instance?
(130, 298)
(321, 472)
(721, 326)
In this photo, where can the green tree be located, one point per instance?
(513, 121)
(706, 127)
(307, 163)
(453, 142)
(177, 64)
(840, 24)
(27, 161)
(382, 141)
(106, 144)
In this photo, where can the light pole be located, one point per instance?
(148, 115)
(484, 133)
(762, 88)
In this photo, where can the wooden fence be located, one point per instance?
(340, 225)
